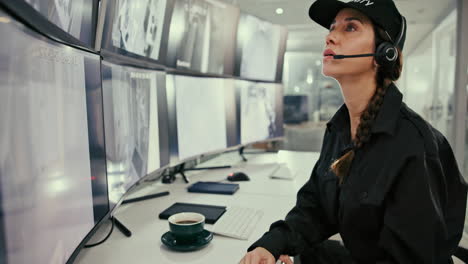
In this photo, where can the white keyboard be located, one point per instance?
(237, 222)
(283, 172)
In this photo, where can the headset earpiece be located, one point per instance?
(386, 52)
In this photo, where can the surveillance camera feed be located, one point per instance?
(258, 111)
(74, 17)
(200, 35)
(131, 126)
(46, 178)
(201, 115)
(135, 26)
(258, 44)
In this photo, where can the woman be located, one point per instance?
(386, 180)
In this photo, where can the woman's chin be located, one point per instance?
(330, 73)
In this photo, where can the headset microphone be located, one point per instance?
(354, 56)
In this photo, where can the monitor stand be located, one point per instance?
(122, 228)
(241, 153)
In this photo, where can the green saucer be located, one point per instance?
(203, 239)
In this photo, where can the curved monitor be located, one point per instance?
(138, 27)
(259, 44)
(202, 36)
(132, 126)
(201, 114)
(76, 17)
(52, 168)
(260, 111)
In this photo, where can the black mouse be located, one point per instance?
(238, 176)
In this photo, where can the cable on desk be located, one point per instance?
(104, 240)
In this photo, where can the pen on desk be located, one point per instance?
(209, 168)
(122, 228)
(146, 197)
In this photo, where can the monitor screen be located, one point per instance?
(258, 46)
(74, 17)
(261, 111)
(200, 114)
(136, 26)
(47, 191)
(202, 36)
(131, 126)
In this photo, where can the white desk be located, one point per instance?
(274, 197)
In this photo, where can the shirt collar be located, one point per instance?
(386, 119)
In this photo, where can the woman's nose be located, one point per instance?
(330, 39)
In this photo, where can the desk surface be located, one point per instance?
(274, 197)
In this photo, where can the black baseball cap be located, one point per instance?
(383, 13)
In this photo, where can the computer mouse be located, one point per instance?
(238, 176)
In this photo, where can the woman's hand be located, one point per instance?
(258, 256)
(262, 256)
(285, 259)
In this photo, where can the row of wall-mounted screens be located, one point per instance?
(207, 36)
(77, 132)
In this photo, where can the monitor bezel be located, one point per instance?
(33, 19)
(230, 102)
(279, 110)
(283, 31)
(108, 9)
(228, 42)
(163, 130)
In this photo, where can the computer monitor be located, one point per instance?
(135, 27)
(51, 159)
(198, 117)
(76, 17)
(131, 118)
(260, 111)
(258, 47)
(202, 36)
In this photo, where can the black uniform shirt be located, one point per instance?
(403, 200)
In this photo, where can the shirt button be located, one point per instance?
(363, 196)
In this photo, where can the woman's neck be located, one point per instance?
(357, 92)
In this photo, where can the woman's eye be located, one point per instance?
(350, 28)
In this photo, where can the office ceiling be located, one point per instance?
(305, 35)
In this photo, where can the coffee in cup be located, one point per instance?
(186, 226)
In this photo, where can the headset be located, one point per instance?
(386, 52)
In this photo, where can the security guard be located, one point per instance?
(386, 180)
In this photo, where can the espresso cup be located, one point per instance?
(186, 226)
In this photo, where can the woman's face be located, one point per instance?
(351, 33)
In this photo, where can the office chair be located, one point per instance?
(462, 254)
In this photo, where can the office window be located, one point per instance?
(429, 76)
(303, 77)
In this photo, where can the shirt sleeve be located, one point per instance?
(305, 224)
(415, 228)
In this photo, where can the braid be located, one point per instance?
(389, 71)
(363, 132)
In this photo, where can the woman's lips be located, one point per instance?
(329, 53)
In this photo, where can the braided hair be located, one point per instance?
(386, 73)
